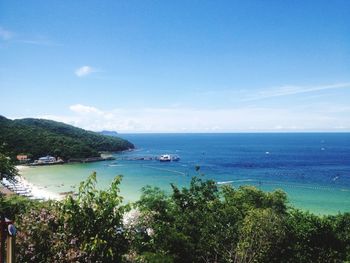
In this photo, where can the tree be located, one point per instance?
(314, 238)
(262, 229)
(200, 223)
(92, 221)
(85, 228)
(7, 166)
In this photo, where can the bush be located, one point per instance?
(86, 228)
(201, 223)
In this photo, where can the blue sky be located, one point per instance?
(178, 66)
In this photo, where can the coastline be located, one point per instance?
(314, 179)
(41, 192)
(36, 191)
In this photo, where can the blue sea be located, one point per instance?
(313, 168)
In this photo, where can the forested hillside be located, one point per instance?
(38, 137)
(109, 133)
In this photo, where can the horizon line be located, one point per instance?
(230, 132)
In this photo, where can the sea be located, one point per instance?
(312, 168)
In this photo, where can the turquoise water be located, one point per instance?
(313, 168)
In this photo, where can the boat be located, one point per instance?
(165, 158)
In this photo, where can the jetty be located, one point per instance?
(91, 159)
(173, 158)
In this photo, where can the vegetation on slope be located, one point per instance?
(39, 137)
(109, 133)
(6, 164)
(199, 223)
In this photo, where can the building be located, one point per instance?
(47, 159)
(22, 158)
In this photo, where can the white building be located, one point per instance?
(47, 159)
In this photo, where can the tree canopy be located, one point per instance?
(199, 223)
(39, 137)
(7, 166)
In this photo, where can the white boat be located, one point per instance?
(165, 158)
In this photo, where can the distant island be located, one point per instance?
(39, 137)
(109, 133)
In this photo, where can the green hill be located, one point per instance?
(39, 137)
(109, 133)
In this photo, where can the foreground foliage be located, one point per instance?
(86, 228)
(199, 223)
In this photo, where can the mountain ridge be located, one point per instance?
(109, 133)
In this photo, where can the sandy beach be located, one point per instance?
(36, 191)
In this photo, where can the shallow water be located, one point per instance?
(313, 168)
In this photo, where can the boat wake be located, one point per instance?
(225, 182)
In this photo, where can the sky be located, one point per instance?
(178, 66)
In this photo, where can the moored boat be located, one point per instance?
(165, 158)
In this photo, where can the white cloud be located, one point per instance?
(12, 37)
(84, 71)
(202, 120)
(81, 109)
(40, 41)
(294, 90)
(5, 34)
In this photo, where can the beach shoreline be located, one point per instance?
(37, 192)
